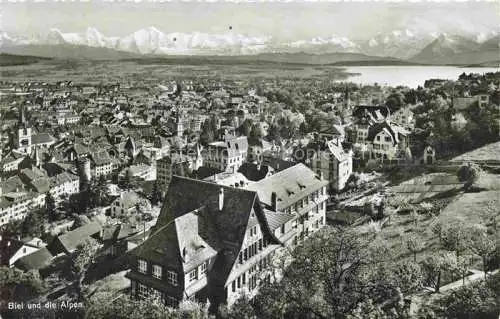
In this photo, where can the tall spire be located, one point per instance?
(22, 117)
(36, 157)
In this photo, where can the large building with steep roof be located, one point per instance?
(216, 242)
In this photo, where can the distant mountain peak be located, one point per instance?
(401, 43)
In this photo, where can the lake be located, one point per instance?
(411, 76)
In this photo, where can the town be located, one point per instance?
(228, 197)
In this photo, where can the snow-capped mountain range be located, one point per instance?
(401, 44)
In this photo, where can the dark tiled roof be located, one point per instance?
(37, 260)
(360, 110)
(190, 219)
(42, 138)
(72, 239)
(393, 129)
(254, 172)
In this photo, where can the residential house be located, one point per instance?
(227, 155)
(68, 242)
(256, 148)
(462, 103)
(387, 140)
(127, 203)
(330, 160)
(216, 242)
(12, 249)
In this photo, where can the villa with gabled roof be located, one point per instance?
(214, 242)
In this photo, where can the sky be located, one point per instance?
(284, 21)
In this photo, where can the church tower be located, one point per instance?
(22, 139)
(347, 98)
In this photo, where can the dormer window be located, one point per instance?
(143, 266)
(193, 275)
(157, 271)
(172, 278)
(203, 268)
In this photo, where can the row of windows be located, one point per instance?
(305, 201)
(253, 274)
(145, 292)
(252, 250)
(193, 274)
(172, 276)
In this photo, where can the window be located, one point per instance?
(283, 229)
(233, 286)
(171, 301)
(203, 268)
(157, 271)
(172, 278)
(143, 266)
(193, 275)
(156, 294)
(143, 291)
(239, 282)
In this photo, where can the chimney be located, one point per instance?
(274, 201)
(221, 199)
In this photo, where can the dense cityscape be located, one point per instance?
(249, 160)
(250, 199)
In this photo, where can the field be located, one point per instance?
(451, 205)
(490, 152)
(113, 71)
(425, 187)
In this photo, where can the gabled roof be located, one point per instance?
(37, 260)
(190, 219)
(72, 239)
(254, 172)
(42, 138)
(289, 185)
(392, 129)
(276, 219)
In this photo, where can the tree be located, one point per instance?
(274, 133)
(81, 260)
(435, 266)
(415, 216)
(246, 127)
(33, 224)
(257, 132)
(395, 101)
(476, 300)
(482, 244)
(329, 275)
(241, 309)
(50, 207)
(414, 245)
(156, 196)
(125, 307)
(100, 193)
(126, 181)
(469, 174)
(454, 237)
(208, 131)
(18, 285)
